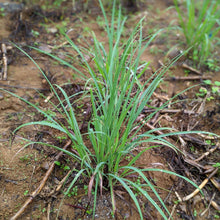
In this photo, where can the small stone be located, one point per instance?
(45, 48)
(52, 30)
(10, 7)
(175, 53)
(45, 165)
(1, 96)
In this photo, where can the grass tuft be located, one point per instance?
(117, 98)
(200, 26)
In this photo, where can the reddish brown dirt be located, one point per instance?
(22, 169)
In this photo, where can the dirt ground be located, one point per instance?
(23, 168)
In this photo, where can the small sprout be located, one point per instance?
(212, 65)
(192, 148)
(2, 12)
(216, 165)
(26, 192)
(57, 163)
(202, 92)
(176, 202)
(26, 157)
(208, 82)
(89, 211)
(217, 83)
(86, 189)
(35, 33)
(195, 213)
(215, 90)
(210, 98)
(66, 168)
(74, 192)
(209, 142)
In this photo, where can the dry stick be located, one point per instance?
(154, 120)
(208, 152)
(168, 118)
(40, 187)
(173, 209)
(187, 78)
(215, 183)
(187, 160)
(160, 97)
(161, 133)
(60, 184)
(186, 198)
(202, 106)
(4, 52)
(193, 163)
(215, 205)
(2, 192)
(48, 97)
(183, 143)
(149, 110)
(32, 174)
(185, 66)
(22, 87)
(48, 211)
(186, 137)
(208, 137)
(203, 213)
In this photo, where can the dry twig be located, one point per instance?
(5, 62)
(203, 213)
(23, 87)
(215, 205)
(185, 66)
(215, 183)
(40, 187)
(59, 185)
(149, 110)
(180, 78)
(207, 153)
(48, 211)
(186, 198)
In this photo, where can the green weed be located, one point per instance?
(212, 90)
(199, 25)
(216, 165)
(2, 12)
(117, 98)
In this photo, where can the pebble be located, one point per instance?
(52, 30)
(1, 96)
(45, 165)
(45, 48)
(10, 7)
(174, 52)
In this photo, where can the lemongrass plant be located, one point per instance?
(200, 26)
(117, 98)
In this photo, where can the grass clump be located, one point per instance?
(200, 26)
(117, 98)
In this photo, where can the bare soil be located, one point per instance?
(23, 168)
